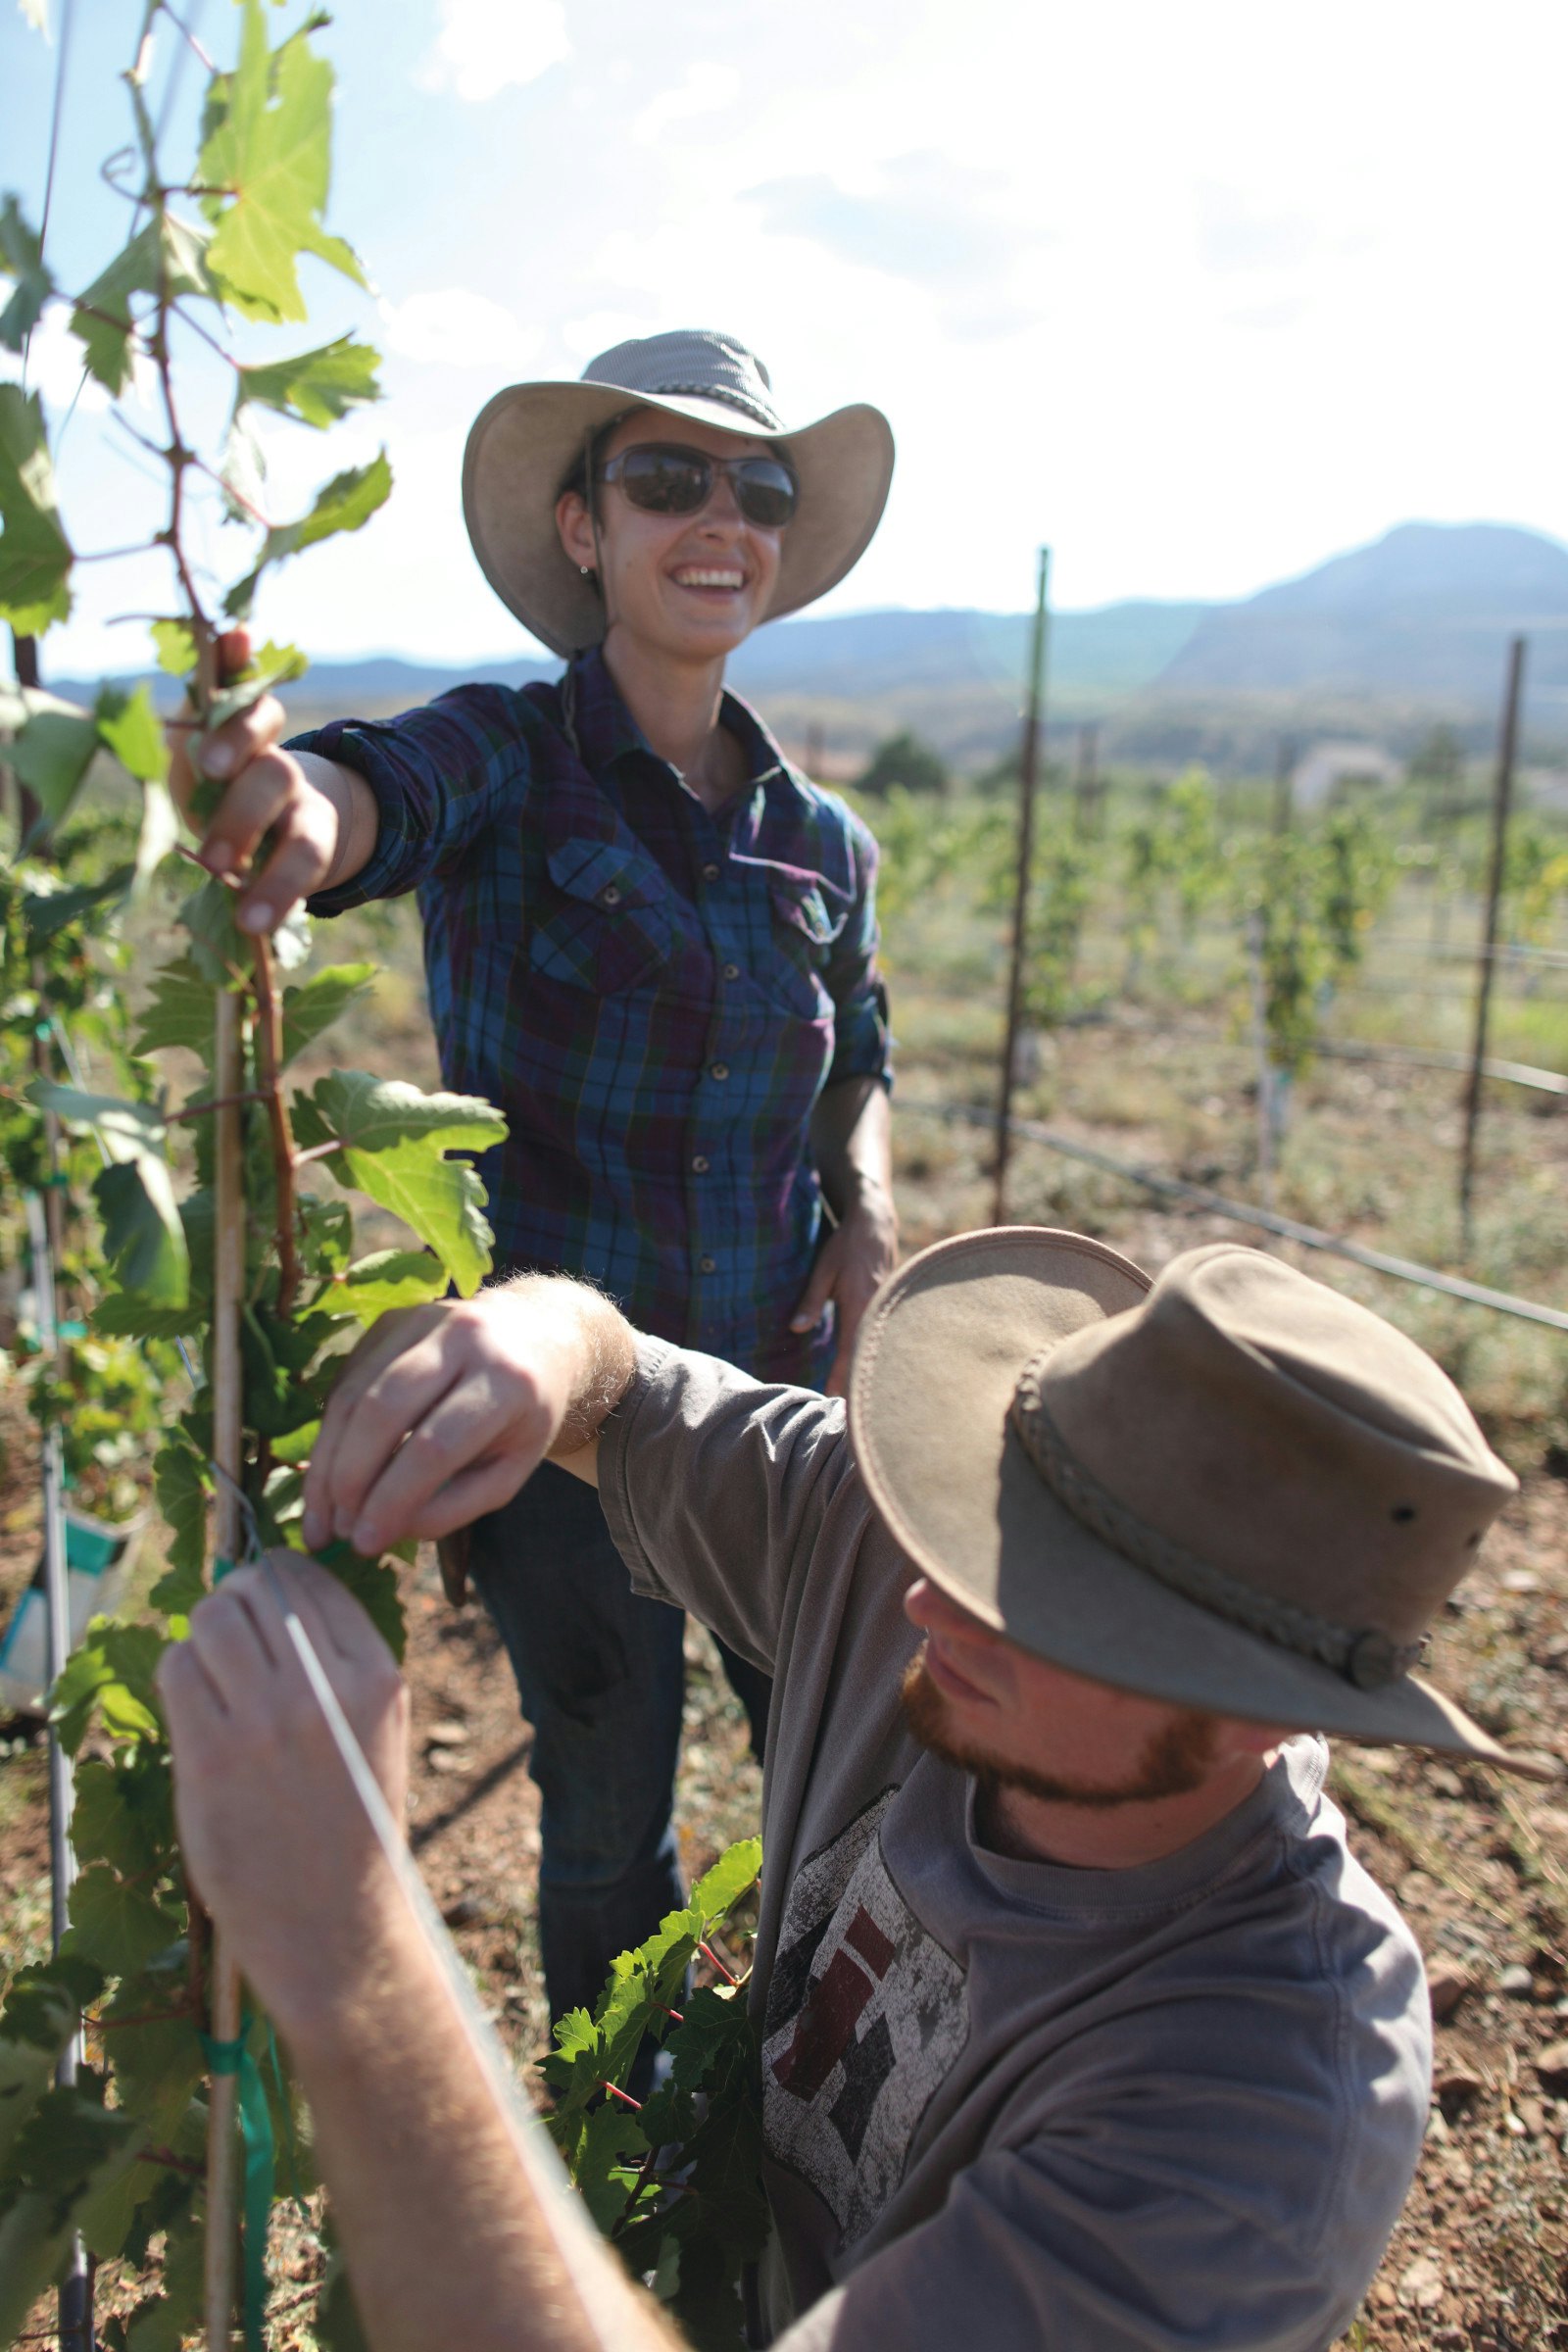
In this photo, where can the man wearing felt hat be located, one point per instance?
(1079, 2023)
(651, 943)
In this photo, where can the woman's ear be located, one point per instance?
(576, 533)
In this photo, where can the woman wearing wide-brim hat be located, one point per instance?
(651, 943)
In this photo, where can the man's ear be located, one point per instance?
(576, 533)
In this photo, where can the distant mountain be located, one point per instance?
(1378, 642)
(1427, 610)
(1113, 650)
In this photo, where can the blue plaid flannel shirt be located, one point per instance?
(656, 997)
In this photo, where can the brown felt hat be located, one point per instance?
(525, 441)
(1233, 1488)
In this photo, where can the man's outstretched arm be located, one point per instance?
(446, 2240)
(442, 1412)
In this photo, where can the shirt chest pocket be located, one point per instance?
(806, 924)
(602, 921)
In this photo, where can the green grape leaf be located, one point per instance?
(721, 1888)
(143, 1237)
(271, 665)
(44, 2003)
(610, 2135)
(159, 2061)
(120, 1317)
(345, 504)
(374, 1585)
(35, 556)
(103, 321)
(275, 1399)
(219, 949)
(388, 1279)
(169, 2323)
(27, 2063)
(179, 1485)
(122, 1812)
(314, 1005)
(373, 1114)
(22, 260)
(116, 1926)
(316, 387)
(129, 1130)
(296, 1445)
(441, 1199)
(70, 2144)
(130, 728)
(174, 647)
(47, 912)
(110, 1673)
(267, 143)
(52, 751)
(327, 1235)
(180, 1012)
(714, 2034)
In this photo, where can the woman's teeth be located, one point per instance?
(689, 577)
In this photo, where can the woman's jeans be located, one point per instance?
(601, 1673)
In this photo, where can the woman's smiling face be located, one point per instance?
(691, 587)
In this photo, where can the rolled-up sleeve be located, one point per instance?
(862, 1042)
(713, 1487)
(441, 776)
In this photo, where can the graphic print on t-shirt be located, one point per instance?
(865, 2014)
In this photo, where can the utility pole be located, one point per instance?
(1028, 774)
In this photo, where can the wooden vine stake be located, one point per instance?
(228, 1285)
(1028, 772)
(1486, 960)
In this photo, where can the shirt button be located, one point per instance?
(609, 896)
(719, 1071)
(701, 1163)
(709, 873)
(732, 971)
(708, 1266)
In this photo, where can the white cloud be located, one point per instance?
(706, 90)
(490, 45)
(450, 327)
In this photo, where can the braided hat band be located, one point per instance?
(1365, 1656)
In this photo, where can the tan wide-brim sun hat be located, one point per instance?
(1235, 1489)
(524, 442)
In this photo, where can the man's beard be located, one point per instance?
(1175, 1761)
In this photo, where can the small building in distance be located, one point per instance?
(1320, 771)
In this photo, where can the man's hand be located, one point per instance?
(319, 819)
(442, 1412)
(851, 1265)
(274, 1837)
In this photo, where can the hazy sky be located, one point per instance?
(1199, 293)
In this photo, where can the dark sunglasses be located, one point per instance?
(663, 479)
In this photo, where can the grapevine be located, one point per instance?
(118, 2156)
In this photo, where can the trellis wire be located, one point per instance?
(1243, 1212)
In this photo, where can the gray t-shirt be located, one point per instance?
(1008, 2103)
